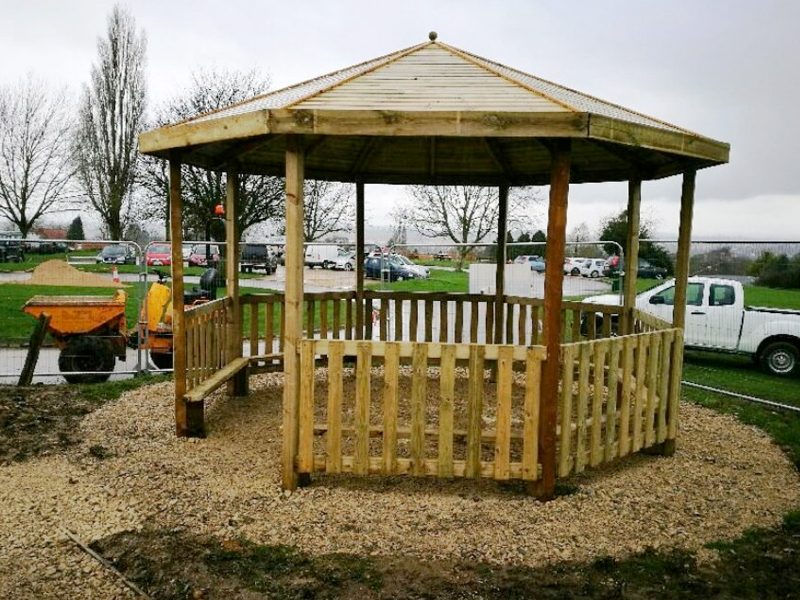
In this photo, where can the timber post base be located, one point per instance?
(241, 383)
(539, 490)
(195, 419)
(665, 448)
(303, 479)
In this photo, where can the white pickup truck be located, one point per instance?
(718, 320)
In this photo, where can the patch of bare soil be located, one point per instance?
(177, 565)
(58, 272)
(40, 420)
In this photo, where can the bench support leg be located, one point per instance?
(241, 383)
(195, 419)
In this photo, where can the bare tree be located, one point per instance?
(465, 214)
(261, 197)
(35, 162)
(328, 208)
(400, 216)
(581, 233)
(110, 120)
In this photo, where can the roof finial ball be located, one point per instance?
(432, 36)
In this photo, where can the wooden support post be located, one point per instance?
(293, 309)
(359, 261)
(681, 283)
(631, 253)
(189, 418)
(499, 285)
(238, 386)
(35, 344)
(684, 246)
(544, 487)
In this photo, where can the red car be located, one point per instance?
(158, 255)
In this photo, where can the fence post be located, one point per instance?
(37, 338)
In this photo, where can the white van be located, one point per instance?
(323, 255)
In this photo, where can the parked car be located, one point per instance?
(718, 320)
(421, 270)
(323, 255)
(44, 247)
(116, 254)
(536, 262)
(257, 256)
(198, 257)
(11, 251)
(345, 262)
(158, 255)
(388, 267)
(647, 270)
(572, 265)
(593, 267)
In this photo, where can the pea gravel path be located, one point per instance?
(726, 477)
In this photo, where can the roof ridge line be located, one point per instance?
(476, 60)
(595, 98)
(386, 58)
(383, 61)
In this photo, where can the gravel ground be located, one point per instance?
(130, 472)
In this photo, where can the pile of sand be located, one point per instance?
(58, 272)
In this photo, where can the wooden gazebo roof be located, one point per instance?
(438, 115)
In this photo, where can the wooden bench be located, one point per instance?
(235, 370)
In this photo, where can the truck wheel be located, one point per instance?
(780, 358)
(348, 266)
(86, 354)
(162, 360)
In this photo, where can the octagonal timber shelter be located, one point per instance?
(564, 396)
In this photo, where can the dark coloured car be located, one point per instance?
(116, 254)
(645, 270)
(11, 251)
(388, 267)
(257, 256)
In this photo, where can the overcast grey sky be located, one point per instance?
(725, 68)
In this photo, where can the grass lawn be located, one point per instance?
(440, 280)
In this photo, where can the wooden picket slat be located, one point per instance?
(446, 406)
(641, 392)
(530, 416)
(323, 318)
(459, 326)
(652, 389)
(676, 369)
(628, 357)
(333, 458)
(348, 319)
(597, 402)
(473, 322)
(663, 386)
(583, 401)
(390, 387)
(363, 373)
(413, 321)
(443, 322)
(337, 319)
(428, 321)
(502, 445)
(567, 376)
(419, 393)
(522, 319)
(474, 411)
(534, 325)
(611, 401)
(384, 319)
(398, 320)
(254, 310)
(305, 453)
